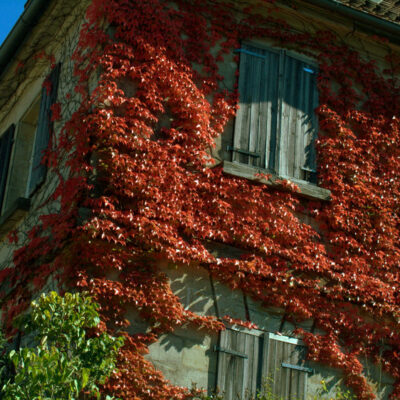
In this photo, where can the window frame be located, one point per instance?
(13, 208)
(7, 204)
(243, 361)
(277, 172)
(238, 367)
(286, 370)
(5, 173)
(44, 129)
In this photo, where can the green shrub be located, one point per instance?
(66, 361)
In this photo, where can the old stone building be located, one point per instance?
(127, 170)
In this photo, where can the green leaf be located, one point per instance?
(64, 360)
(85, 377)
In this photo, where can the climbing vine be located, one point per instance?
(141, 191)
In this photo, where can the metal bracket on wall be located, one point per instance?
(247, 153)
(251, 53)
(232, 352)
(298, 367)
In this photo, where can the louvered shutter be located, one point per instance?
(238, 364)
(6, 141)
(256, 119)
(283, 367)
(298, 122)
(42, 136)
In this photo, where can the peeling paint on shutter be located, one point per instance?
(283, 367)
(6, 141)
(255, 122)
(42, 136)
(238, 361)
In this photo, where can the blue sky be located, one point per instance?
(10, 10)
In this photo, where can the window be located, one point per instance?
(6, 142)
(276, 127)
(246, 362)
(22, 146)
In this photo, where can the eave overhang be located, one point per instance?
(34, 9)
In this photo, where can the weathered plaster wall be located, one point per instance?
(52, 40)
(187, 357)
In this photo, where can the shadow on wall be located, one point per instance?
(189, 356)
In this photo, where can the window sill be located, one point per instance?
(13, 215)
(306, 189)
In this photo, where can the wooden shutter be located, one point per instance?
(298, 123)
(6, 141)
(238, 364)
(44, 126)
(256, 119)
(283, 367)
(276, 126)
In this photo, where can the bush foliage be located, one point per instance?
(73, 356)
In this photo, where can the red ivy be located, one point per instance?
(154, 197)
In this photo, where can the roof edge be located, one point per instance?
(35, 8)
(376, 25)
(28, 19)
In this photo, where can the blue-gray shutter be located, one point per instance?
(256, 119)
(44, 126)
(298, 123)
(238, 364)
(284, 369)
(6, 142)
